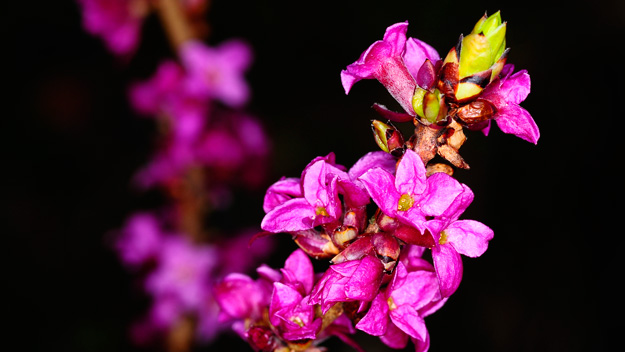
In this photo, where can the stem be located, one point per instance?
(174, 21)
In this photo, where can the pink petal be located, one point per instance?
(293, 215)
(300, 265)
(409, 321)
(469, 237)
(516, 87)
(280, 192)
(416, 53)
(381, 187)
(410, 177)
(448, 265)
(442, 190)
(376, 320)
(391, 115)
(515, 120)
(394, 337)
(364, 284)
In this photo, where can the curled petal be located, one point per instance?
(280, 192)
(442, 192)
(293, 215)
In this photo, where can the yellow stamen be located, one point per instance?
(443, 238)
(405, 202)
(321, 211)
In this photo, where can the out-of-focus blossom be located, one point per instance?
(217, 73)
(139, 240)
(183, 271)
(117, 22)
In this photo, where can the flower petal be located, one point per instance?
(409, 321)
(448, 265)
(293, 215)
(416, 53)
(376, 320)
(410, 177)
(516, 120)
(469, 237)
(381, 187)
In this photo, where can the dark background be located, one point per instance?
(549, 279)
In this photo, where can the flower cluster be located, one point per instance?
(207, 146)
(390, 225)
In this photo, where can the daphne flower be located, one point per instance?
(454, 237)
(394, 61)
(397, 313)
(320, 203)
(354, 280)
(183, 271)
(118, 22)
(139, 240)
(217, 73)
(506, 94)
(409, 195)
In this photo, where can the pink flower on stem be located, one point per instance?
(319, 205)
(395, 62)
(506, 94)
(453, 237)
(397, 313)
(409, 195)
(117, 22)
(354, 280)
(217, 73)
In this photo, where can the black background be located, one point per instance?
(71, 143)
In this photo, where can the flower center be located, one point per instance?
(321, 211)
(297, 320)
(391, 303)
(405, 202)
(443, 238)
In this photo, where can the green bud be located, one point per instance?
(387, 137)
(429, 106)
(483, 47)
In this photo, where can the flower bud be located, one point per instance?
(386, 249)
(261, 338)
(429, 106)
(475, 112)
(476, 60)
(388, 138)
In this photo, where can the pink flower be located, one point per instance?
(394, 61)
(217, 73)
(354, 280)
(409, 195)
(139, 240)
(117, 22)
(183, 271)
(397, 313)
(453, 237)
(320, 203)
(506, 94)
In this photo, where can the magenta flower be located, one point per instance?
(240, 297)
(217, 73)
(409, 195)
(139, 240)
(397, 313)
(164, 95)
(183, 271)
(117, 22)
(320, 203)
(291, 314)
(354, 280)
(454, 237)
(394, 61)
(506, 94)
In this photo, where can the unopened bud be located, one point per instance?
(388, 138)
(387, 249)
(343, 236)
(429, 106)
(261, 338)
(411, 235)
(475, 112)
